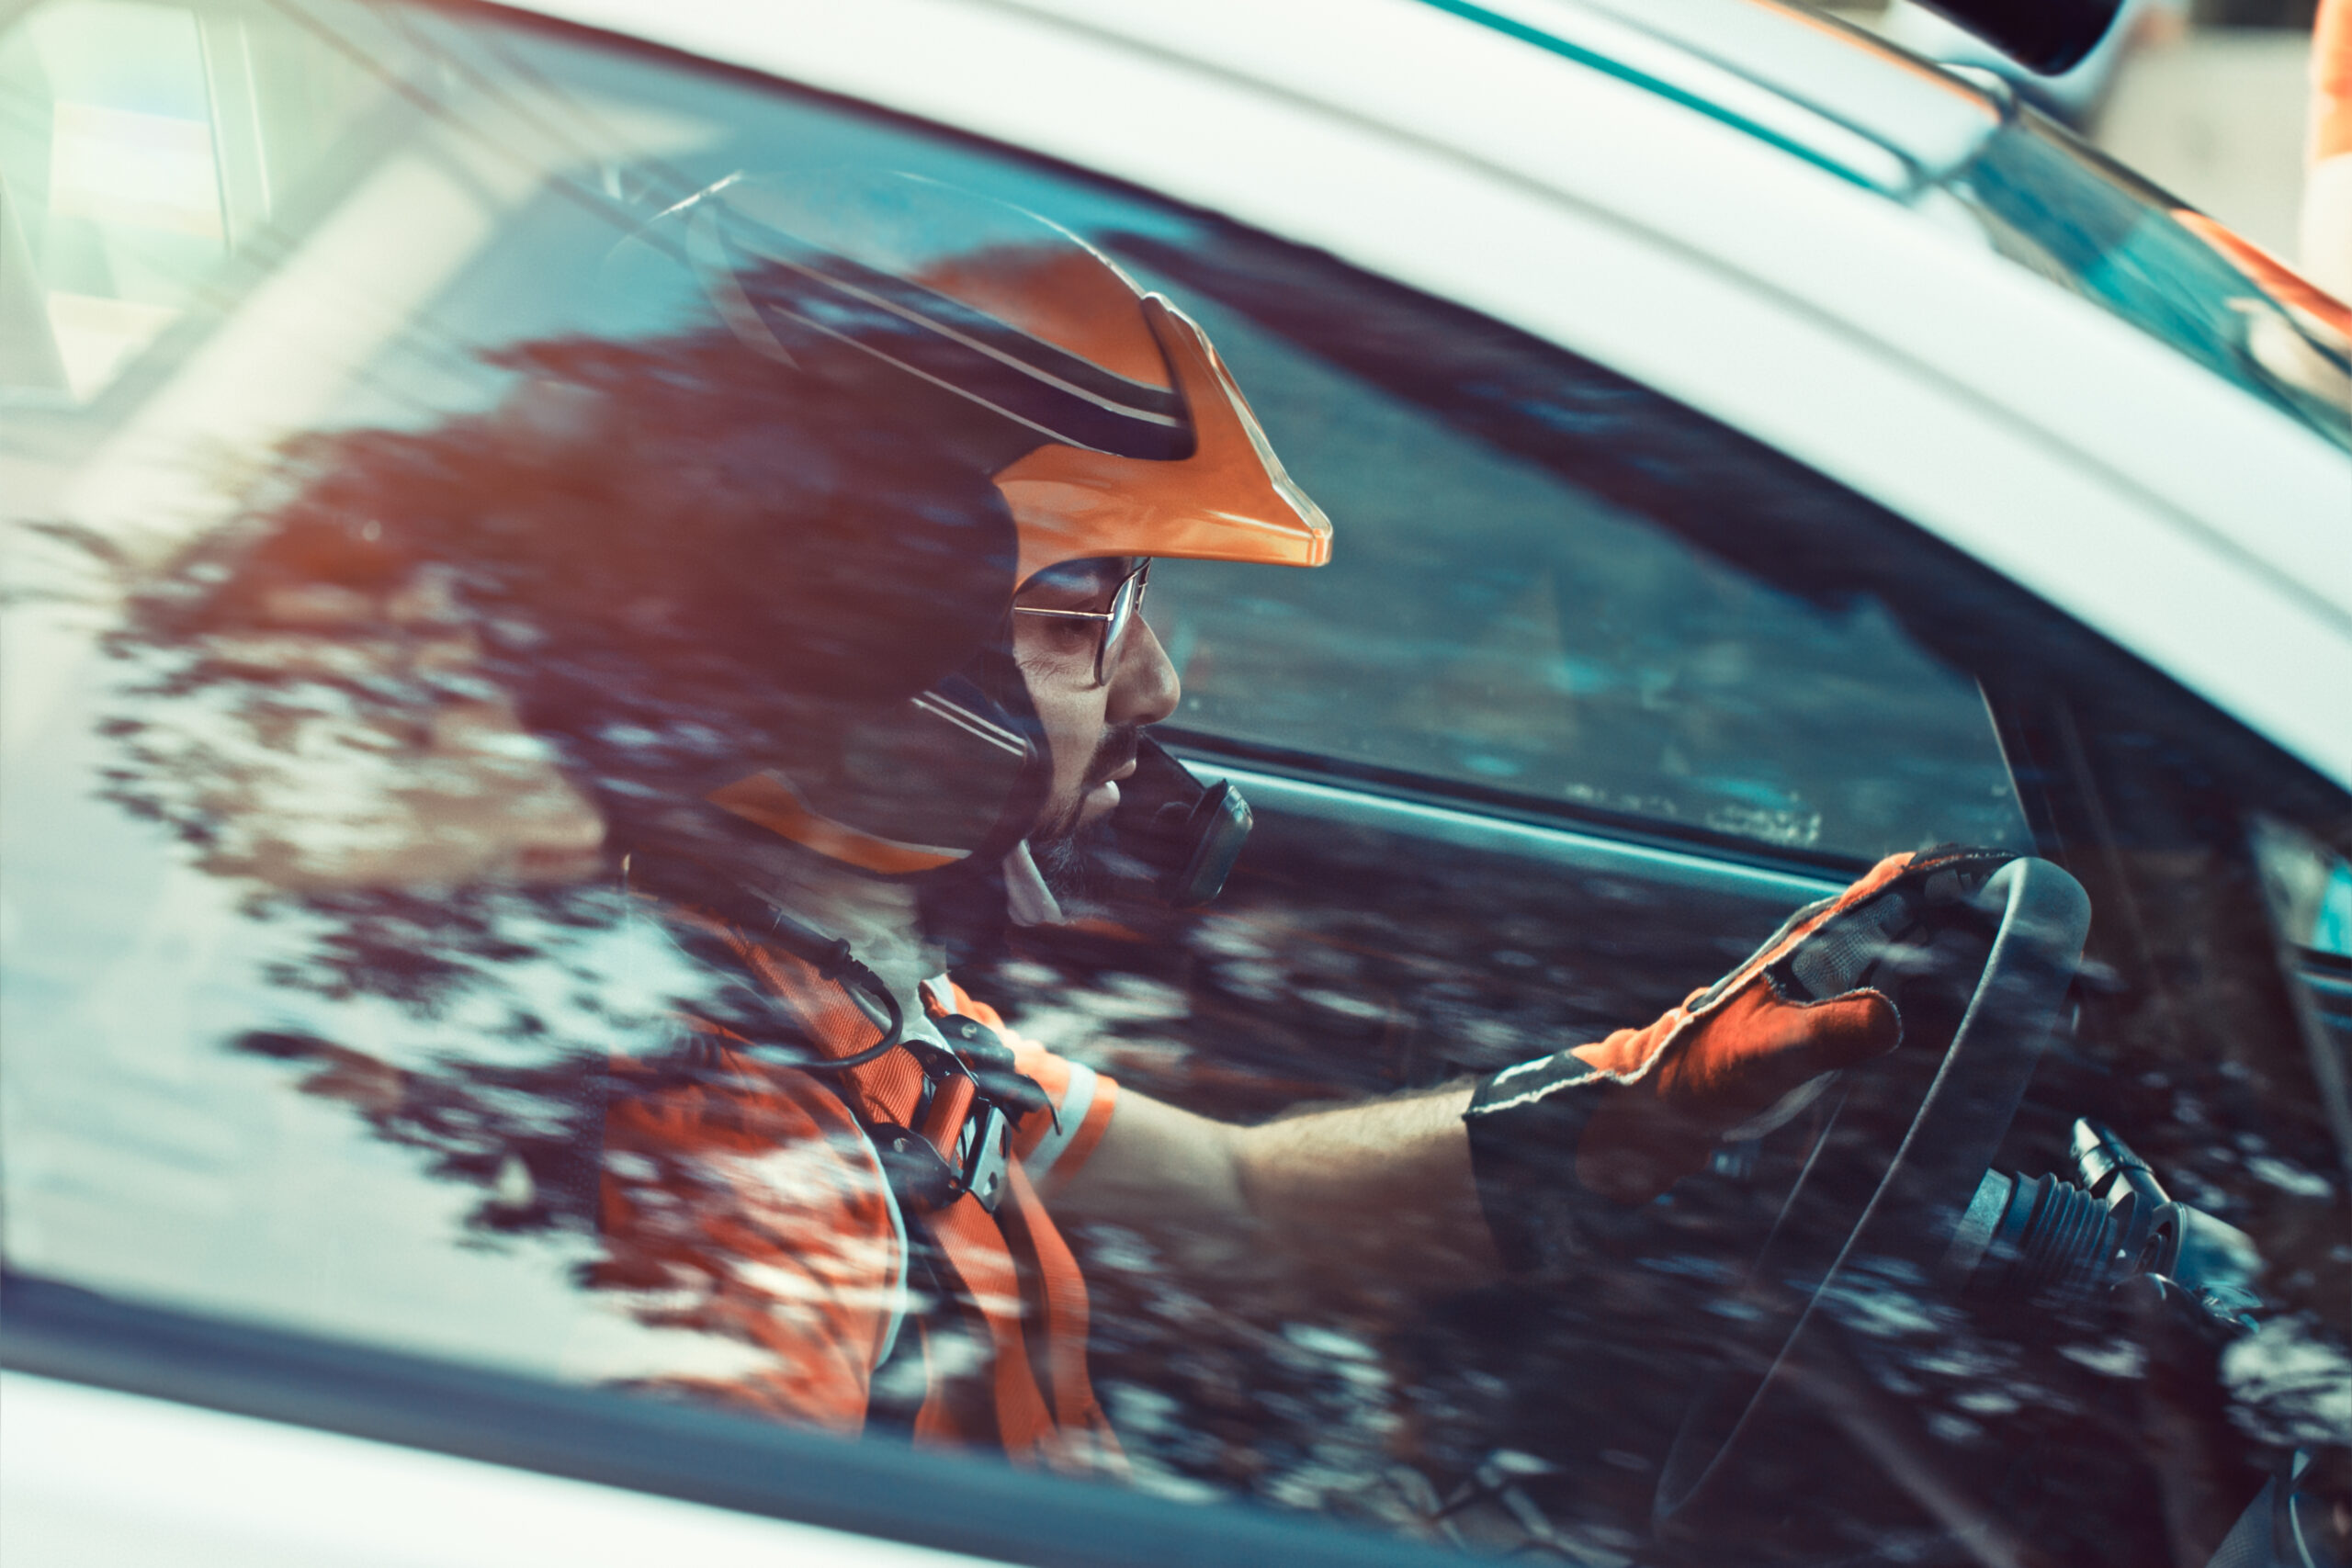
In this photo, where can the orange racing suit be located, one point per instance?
(746, 1200)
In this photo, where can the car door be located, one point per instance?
(310, 935)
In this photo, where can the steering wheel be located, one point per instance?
(2037, 916)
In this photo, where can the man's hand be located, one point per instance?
(1694, 1076)
(1645, 1107)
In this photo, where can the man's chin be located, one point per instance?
(1069, 859)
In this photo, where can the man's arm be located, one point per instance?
(1373, 1198)
(1379, 1197)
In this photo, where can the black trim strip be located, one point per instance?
(1427, 789)
(876, 1487)
(2323, 967)
(951, 317)
(933, 336)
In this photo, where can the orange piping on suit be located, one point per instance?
(766, 799)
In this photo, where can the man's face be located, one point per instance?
(1090, 727)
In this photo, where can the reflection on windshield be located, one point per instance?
(2097, 230)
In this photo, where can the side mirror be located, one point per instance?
(2047, 36)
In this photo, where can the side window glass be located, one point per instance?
(1524, 605)
(2210, 1035)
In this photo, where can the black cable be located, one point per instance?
(833, 958)
(834, 961)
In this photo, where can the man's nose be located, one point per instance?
(1144, 685)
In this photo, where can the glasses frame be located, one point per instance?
(1127, 602)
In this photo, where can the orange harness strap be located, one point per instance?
(985, 1254)
(1067, 1317)
(1062, 1306)
(985, 1276)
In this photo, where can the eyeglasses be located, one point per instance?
(1125, 600)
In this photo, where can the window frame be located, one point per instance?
(885, 1490)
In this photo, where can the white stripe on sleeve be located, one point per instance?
(1076, 1100)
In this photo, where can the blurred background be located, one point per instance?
(2205, 97)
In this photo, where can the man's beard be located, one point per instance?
(1069, 856)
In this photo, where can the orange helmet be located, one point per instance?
(1003, 399)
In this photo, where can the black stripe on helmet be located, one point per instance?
(794, 288)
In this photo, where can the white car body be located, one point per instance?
(1809, 303)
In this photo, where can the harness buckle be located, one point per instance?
(987, 1165)
(961, 1141)
(918, 1178)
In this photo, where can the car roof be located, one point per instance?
(2096, 466)
(1819, 88)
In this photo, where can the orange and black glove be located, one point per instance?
(1558, 1142)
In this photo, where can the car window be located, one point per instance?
(390, 551)
(1526, 606)
(1360, 948)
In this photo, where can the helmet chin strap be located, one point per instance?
(1027, 899)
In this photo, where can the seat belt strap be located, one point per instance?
(974, 1247)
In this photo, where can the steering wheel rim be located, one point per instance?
(2043, 917)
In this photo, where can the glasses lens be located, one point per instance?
(1124, 604)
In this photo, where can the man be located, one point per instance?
(818, 575)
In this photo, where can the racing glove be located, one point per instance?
(1557, 1141)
